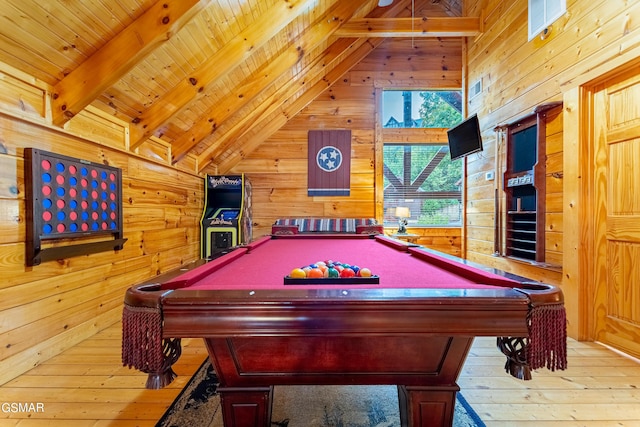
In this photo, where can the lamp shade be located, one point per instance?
(402, 212)
(384, 3)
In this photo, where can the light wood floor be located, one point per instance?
(87, 386)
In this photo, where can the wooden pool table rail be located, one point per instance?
(503, 312)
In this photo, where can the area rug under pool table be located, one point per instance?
(198, 405)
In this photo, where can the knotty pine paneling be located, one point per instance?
(517, 75)
(554, 222)
(278, 166)
(163, 201)
(12, 227)
(443, 239)
(480, 219)
(99, 127)
(553, 184)
(19, 97)
(156, 149)
(47, 308)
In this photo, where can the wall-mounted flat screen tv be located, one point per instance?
(465, 139)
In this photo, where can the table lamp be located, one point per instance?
(402, 213)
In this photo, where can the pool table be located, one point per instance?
(413, 329)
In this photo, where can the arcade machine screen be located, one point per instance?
(227, 214)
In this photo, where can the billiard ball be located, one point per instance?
(297, 273)
(347, 272)
(315, 272)
(365, 272)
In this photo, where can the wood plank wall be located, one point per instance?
(278, 167)
(517, 75)
(553, 202)
(48, 308)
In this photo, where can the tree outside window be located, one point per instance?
(422, 176)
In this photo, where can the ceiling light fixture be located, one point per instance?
(384, 3)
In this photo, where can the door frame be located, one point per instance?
(580, 215)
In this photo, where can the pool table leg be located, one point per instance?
(427, 406)
(246, 406)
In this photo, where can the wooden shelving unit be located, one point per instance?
(524, 185)
(522, 230)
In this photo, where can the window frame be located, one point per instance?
(547, 20)
(440, 143)
(451, 96)
(396, 135)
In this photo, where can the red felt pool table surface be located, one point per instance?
(265, 264)
(413, 329)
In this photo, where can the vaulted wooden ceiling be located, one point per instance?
(201, 74)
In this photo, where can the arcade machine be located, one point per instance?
(226, 219)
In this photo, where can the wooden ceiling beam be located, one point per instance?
(220, 143)
(263, 78)
(269, 125)
(226, 143)
(411, 27)
(119, 55)
(232, 54)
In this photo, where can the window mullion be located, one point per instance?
(406, 184)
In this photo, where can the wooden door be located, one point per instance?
(616, 187)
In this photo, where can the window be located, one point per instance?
(421, 176)
(420, 109)
(543, 13)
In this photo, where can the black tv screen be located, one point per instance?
(464, 138)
